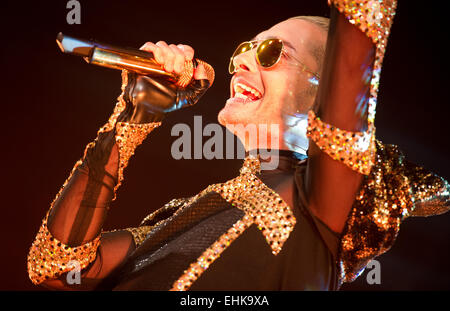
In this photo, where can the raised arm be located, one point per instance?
(342, 133)
(358, 186)
(71, 233)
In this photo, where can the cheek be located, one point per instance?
(283, 87)
(285, 92)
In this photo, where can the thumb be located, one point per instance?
(200, 72)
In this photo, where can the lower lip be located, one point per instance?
(241, 101)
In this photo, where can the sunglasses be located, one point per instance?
(268, 54)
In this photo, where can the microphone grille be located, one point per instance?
(186, 76)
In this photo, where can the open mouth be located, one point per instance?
(246, 92)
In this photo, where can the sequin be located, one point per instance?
(375, 19)
(120, 106)
(394, 190)
(49, 258)
(139, 234)
(172, 205)
(196, 269)
(262, 206)
(431, 192)
(354, 149)
(128, 137)
(267, 209)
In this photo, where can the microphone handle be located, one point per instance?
(141, 62)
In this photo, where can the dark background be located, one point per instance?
(53, 105)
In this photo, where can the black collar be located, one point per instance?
(287, 159)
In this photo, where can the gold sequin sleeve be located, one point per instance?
(139, 234)
(431, 192)
(72, 228)
(49, 258)
(374, 18)
(394, 190)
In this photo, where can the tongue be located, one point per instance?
(250, 95)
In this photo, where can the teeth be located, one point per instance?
(239, 88)
(240, 95)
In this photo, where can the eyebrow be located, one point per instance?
(285, 42)
(288, 44)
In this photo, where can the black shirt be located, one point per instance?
(306, 261)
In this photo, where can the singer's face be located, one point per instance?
(281, 90)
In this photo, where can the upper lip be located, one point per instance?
(239, 79)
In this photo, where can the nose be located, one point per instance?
(245, 62)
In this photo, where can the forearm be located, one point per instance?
(344, 87)
(342, 100)
(71, 231)
(78, 214)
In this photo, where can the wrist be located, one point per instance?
(140, 117)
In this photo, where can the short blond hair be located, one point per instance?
(317, 50)
(322, 22)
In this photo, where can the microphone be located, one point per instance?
(141, 62)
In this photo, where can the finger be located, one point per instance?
(148, 46)
(156, 50)
(188, 51)
(200, 72)
(179, 60)
(168, 55)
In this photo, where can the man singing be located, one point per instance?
(334, 201)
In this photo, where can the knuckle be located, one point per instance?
(169, 54)
(177, 51)
(179, 65)
(188, 51)
(158, 51)
(158, 54)
(180, 58)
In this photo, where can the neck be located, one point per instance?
(294, 135)
(263, 160)
(290, 136)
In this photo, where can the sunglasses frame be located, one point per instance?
(283, 50)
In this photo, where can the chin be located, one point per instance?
(232, 115)
(237, 111)
(224, 116)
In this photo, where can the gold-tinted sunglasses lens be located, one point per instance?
(242, 48)
(269, 52)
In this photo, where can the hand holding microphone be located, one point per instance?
(153, 97)
(173, 58)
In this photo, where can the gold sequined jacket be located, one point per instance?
(394, 190)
